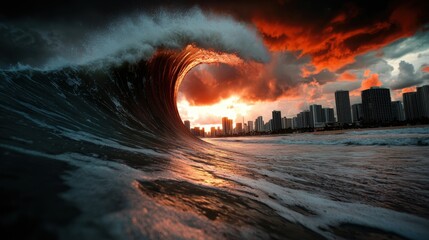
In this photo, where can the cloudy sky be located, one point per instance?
(314, 48)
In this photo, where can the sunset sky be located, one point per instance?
(315, 49)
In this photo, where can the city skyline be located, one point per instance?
(376, 107)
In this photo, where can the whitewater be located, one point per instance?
(93, 147)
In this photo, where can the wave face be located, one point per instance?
(119, 91)
(130, 106)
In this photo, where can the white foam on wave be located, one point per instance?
(147, 32)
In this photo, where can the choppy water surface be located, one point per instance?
(371, 178)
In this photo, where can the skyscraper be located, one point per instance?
(303, 119)
(410, 106)
(250, 126)
(230, 128)
(423, 100)
(259, 124)
(328, 115)
(187, 124)
(284, 122)
(316, 116)
(342, 103)
(212, 132)
(376, 105)
(239, 128)
(397, 111)
(276, 123)
(357, 112)
(225, 129)
(294, 122)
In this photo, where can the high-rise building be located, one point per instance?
(288, 123)
(357, 112)
(316, 116)
(268, 127)
(284, 120)
(196, 131)
(187, 124)
(328, 115)
(294, 123)
(423, 100)
(225, 129)
(376, 105)
(230, 128)
(239, 128)
(276, 123)
(303, 119)
(397, 111)
(259, 124)
(212, 132)
(250, 126)
(342, 103)
(411, 108)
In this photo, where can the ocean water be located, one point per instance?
(372, 178)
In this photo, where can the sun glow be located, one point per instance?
(210, 116)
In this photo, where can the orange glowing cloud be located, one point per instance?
(336, 43)
(406, 90)
(372, 81)
(346, 76)
(425, 69)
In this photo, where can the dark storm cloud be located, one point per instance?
(416, 43)
(333, 33)
(361, 62)
(323, 77)
(24, 46)
(408, 77)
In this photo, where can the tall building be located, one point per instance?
(268, 127)
(328, 115)
(342, 103)
(357, 112)
(423, 100)
(212, 132)
(286, 123)
(397, 111)
(276, 123)
(259, 124)
(196, 131)
(411, 108)
(187, 124)
(376, 105)
(294, 122)
(230, 128)
(239, 128)
(250, 126)
(303, 119)
(226, 126)
(316, 116)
